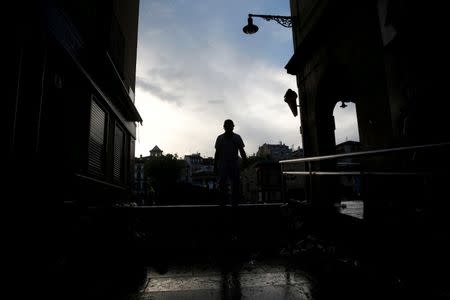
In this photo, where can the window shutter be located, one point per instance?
(118, 153)
(96, 148)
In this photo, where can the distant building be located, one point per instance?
(200, 171)
(350, 185)
(249, 185)
(261, 182)
(268, 181)
(142, 188)
(295, 184)
(196, 170)
(348, 146)
(274, 152)
(141, 185)
(194, 162)
(299, 153)
(156, 152)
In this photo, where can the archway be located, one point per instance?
(346, 122)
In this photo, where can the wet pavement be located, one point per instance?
(185, 259)
(252, 278)
(233, 273)
(353, 208)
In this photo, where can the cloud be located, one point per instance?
(217, 101)
(196, 69)
(211, 84)
(157, 90)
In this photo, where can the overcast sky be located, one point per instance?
(196, 68)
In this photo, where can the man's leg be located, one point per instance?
(223, 191)
(235, 190)
(225, 215)
(235, 199)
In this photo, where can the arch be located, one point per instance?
(334, 86)
(346, 121)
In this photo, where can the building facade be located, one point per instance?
(274, 152)
(142, 191)
(200, 171)
(70, 124)
(70, 103)
(262, 181)
(386, 57)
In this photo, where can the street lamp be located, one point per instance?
(343, 105)
(250, 28)
(291, 99)
(286, 21)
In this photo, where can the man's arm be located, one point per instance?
(241, 148)
(243, 156)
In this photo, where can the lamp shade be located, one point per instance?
(291, 99)
(250, 28)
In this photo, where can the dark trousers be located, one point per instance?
(229, 190)
(229, 187)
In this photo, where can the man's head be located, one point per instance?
(228, 125)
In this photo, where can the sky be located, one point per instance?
(196, 68)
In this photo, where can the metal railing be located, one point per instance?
(310, 172)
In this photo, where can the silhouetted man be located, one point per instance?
(226, 162)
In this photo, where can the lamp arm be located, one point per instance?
(284, 21)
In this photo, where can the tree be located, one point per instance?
(252, 159)
(163, 172)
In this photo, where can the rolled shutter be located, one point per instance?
(118, 153)
(96, 148)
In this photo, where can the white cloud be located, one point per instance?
(192, 76)
(251, 93)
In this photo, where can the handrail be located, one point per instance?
(141, 207)
(363, 153)
(100, 181)
(311, 173)
(356, 173)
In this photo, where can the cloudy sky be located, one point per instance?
(196, 68)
